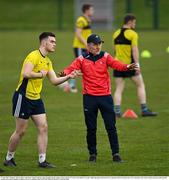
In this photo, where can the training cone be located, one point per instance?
(129, 113)
(145, 54)
(167, 50)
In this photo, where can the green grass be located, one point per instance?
(144, 142)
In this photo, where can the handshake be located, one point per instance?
(72, 75)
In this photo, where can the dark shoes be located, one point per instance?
(92, 158)
(46, 164)
(10, 163)
(117, 158)
(148, 113)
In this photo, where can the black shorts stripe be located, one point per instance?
(18, 105)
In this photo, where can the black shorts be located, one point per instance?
(24, 107)
(124, 74)
(79, 51)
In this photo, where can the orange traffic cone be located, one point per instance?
(129, 113)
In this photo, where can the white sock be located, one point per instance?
(42, 157)
(10, 155)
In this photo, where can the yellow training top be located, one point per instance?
(85, 25)
(31, 88)
(124, 39)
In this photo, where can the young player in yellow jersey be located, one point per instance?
(126, 50)
(83, 29)
(26, 99)
(82, 32)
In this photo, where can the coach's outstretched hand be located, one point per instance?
(75, 74)
(133, 66)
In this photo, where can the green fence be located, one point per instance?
(59, 14)
(151, 14)
(36, 14)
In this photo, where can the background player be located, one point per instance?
(126, 51)
(82, 31)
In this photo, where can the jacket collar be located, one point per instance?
(93, 58)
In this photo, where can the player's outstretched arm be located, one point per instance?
(59, 80)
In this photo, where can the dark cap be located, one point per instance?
(94, 38)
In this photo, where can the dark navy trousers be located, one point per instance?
(91, 105)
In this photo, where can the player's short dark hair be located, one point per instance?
(45, 35)
(86, 7)
(129, 17)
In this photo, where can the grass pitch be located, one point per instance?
(144, 142)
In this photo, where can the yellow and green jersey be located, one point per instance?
(124, 39)
(31, 88)
(85, 25)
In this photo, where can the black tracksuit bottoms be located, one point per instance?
(91, 105)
